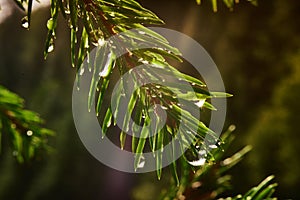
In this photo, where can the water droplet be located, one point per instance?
(212, 146)
(193, 84)
(231, 128)
(202, 153)
(101, 42)
(160, 95)
(106, 68)
(200, 103)
(142, 32)
(158, 86)
(199, 162)
(141, 163)
(153, 96)
(29, 133)
(25, 22)
(145, 62)
(195, 158)
(164, 107)
(81, 71)
(50, 48)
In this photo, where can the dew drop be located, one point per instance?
(145, 62)
(142, 32)
(158, 86)
(105, 71)
(141, 163)
(195, 159)
(25, 22)
(200, 103)
(50, 48)
(101, 42)
(212, 146)
(199, 162)
(81, 71)
(164, 107)
(202, 153)
(29, 133)
(122, 94)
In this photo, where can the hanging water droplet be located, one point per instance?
(67, 11)
(202, 153)
(101, 42)
(145, 62)
(193, 84)
(199, 162)
(160, 95)
(81, 71)
(50, 48)
(25, 22)
(29, 133)
(200, 103)
(106, 68)
(231, 128)
(141, 163)
(143, 116)
(195, 159)
(212, 146)
(164, 107)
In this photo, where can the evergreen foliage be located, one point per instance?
(91, 23)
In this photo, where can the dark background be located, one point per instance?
(257, 50)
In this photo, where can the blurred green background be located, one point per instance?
(257, 50)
